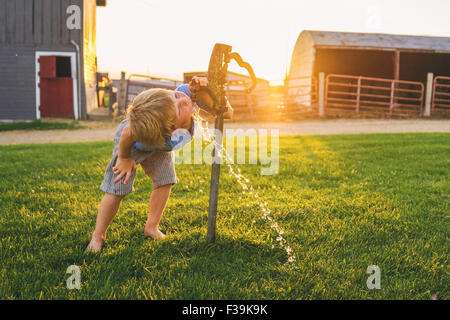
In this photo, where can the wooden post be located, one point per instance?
(394, 83)
(429, 95)
(110, 95)
(321, 94)
(122, 97)
(97, 90)
(391, 103)
(358, 94)
(396, 65)
(215, 174)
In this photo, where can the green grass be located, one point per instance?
(40, 125)
(344, 202)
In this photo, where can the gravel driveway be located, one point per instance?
(104, 131)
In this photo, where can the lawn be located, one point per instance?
(40, 125)
(344, 202)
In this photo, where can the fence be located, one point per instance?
(344, 93)
(340, 95)
(441, 95)
(134, 87)
(300, 95)
(256, 105)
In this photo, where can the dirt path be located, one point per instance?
(104, 131)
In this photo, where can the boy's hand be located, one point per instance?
(206, 115)
(197, 82)
(195, 85)
(230, 112)
(124, 166)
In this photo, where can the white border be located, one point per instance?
(73, 65)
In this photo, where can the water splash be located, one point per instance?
(244, 182)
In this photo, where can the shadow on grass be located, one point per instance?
(183, 268)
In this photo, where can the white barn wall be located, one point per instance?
(302, 65)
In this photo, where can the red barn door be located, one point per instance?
(56, 87)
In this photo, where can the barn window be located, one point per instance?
(63, 67)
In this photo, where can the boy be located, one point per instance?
(145, 138)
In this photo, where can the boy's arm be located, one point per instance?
(124, 164)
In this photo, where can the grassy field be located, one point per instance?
(344, 202)
(40, 125)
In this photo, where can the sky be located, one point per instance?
(164, 38)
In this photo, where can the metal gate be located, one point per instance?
(358, 94)
(441, 95)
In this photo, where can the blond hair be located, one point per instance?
(152, 116)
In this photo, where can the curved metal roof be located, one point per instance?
(378, 40)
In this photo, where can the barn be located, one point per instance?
(369, 72)
(47, 58)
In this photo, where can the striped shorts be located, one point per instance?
(159, 166)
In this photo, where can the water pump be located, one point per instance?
(214, 97)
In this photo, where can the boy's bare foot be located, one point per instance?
(154, 234)
(95, 245)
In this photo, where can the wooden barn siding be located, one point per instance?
(36, 22)
(27, 26)
(17, 92)
(2, 21)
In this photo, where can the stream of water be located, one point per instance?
(244, 182)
